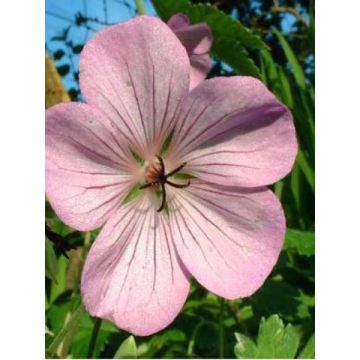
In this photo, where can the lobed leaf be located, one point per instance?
(127, 349)
(302, 242)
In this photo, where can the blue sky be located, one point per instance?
(61, 13)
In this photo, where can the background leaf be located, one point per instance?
(309, 350)
(303, 242)
(127, 349)
(51, 265)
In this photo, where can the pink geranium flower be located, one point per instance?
(203, 208)
(197, 40)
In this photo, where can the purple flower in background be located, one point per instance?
(197, 40)
(177, 177)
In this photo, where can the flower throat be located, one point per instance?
(156, 176)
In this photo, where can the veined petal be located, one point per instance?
(229, 239)
(137, 73)
(87, 169)
(197, 40)
(132, 275)
(233, 131)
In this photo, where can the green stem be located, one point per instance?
(221, 330)
(140, 7)
(94, 336)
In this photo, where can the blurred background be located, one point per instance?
(273, 41)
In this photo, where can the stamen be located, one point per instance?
(158, 177)
(163, 201)
(171, 173)
(146, 185)
(178, 186)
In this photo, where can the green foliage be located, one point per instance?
(127, 349)
(231, 38)
(309, 350)
(294, 64)
(302, 242)
(51, 265)
(274, 341)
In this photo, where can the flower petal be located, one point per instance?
(229, 239)
(86, 166)
(178, 22)
(132, 275)
(200, 66)
(197, 39)
(232, 131)
(136, 73)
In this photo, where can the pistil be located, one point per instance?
(156, 176)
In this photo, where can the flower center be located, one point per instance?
(155, 176)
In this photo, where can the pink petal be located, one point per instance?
(233, 131)
(86, 167)
(136, 72)
(132, 275)
(197, 39)
(229, 240)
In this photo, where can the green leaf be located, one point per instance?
(235, 55)
(274, 341)
(287, 97)
(270, 334)
(302, 242)
(308, 351)
(279, 297)
(51, 263)
(245, 348)
(68, 330)
(80, 345)
(287, 348)
(127, 349)
(59, 287)
(306, 169)
(294, 64)
(48, 331)
(231, 38)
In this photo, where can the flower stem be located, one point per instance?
(140, 7)
(94, 336)
(221, 330)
